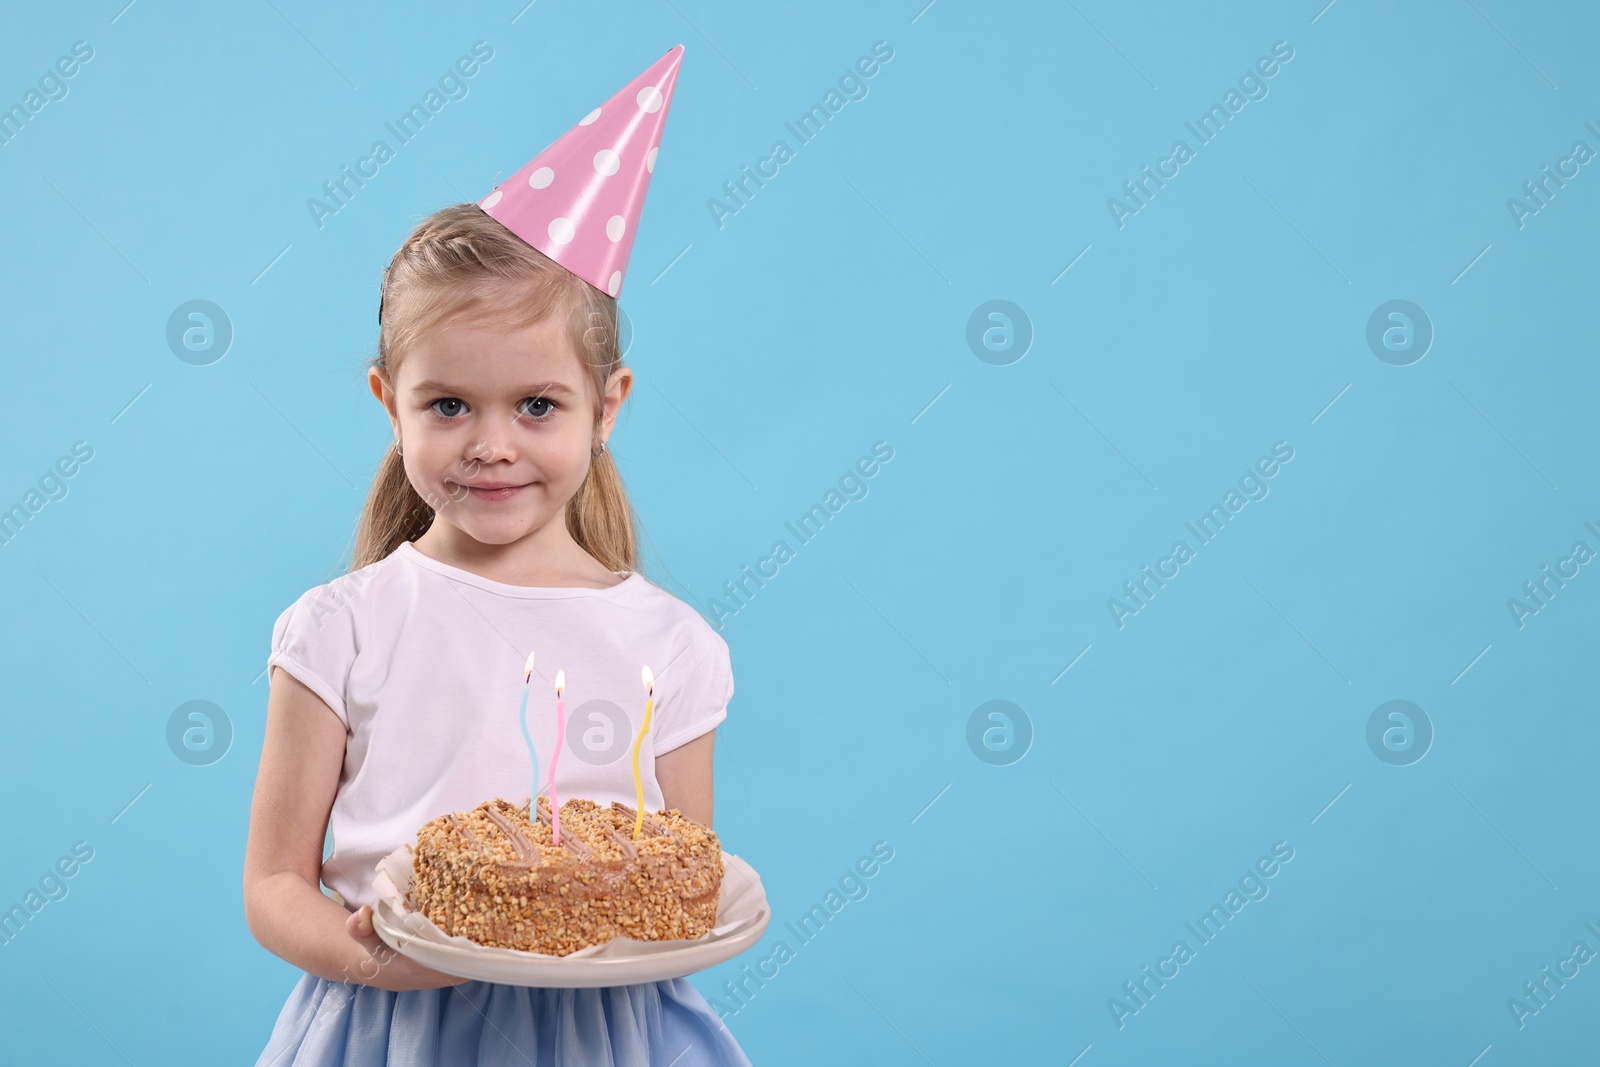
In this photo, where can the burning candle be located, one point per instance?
(638, 783)
(561, 733)
(533, 756)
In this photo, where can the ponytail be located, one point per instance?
(600, 518)
(394, 513)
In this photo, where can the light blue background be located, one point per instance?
(828, 314)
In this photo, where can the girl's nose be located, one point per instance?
(493, 442)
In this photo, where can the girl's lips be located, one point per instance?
(495, 494)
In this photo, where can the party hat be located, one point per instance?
(579, 200)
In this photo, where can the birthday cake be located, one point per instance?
(496, 877)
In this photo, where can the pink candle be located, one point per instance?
(561, 733)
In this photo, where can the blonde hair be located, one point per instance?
(459, 260)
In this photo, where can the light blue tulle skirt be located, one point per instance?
(346, 1024)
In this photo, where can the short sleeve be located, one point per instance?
(314, 640)
(697, 700)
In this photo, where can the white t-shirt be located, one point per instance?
(424, 662)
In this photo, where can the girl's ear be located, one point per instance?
(617, 388)
(383, 389)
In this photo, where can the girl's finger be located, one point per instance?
(359, 924)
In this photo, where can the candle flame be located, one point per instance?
(649, 679)
(561, 681)
(528, 670)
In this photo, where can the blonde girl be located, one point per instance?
(497, 523)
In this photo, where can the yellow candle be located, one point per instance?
(638, 783)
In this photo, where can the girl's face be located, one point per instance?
(497, 426)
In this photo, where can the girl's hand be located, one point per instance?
(386, 968)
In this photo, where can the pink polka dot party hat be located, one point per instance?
(579, 200)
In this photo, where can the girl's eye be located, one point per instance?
(447, 400)
(549, 408)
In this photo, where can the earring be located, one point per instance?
(397, 449)
(599, 451)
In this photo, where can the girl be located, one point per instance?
(496, 524)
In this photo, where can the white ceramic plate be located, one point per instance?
(742, 916)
